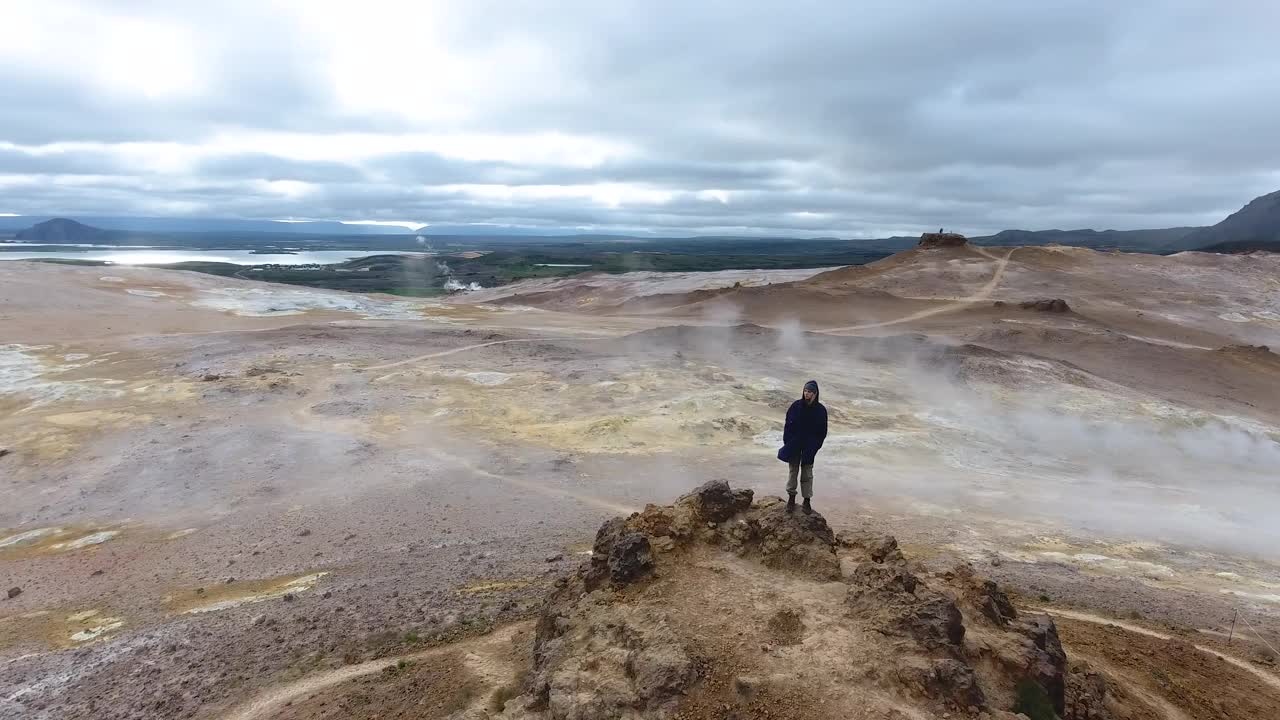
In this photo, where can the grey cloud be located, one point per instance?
(880, 118)
(263, 166)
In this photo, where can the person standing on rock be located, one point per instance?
(802, 438)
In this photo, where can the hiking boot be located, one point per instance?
(808, 509)
(791, 502)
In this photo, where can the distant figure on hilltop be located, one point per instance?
(802, 438)
(943, 239)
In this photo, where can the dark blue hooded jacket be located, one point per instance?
(805, 431)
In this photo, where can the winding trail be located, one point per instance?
(983, 293)
(455, 351)
(270, 701)
(533, 485)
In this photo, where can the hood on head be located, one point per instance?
(813, 385)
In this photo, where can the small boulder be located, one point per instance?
(943, 679)
(884, 578)
(716, 502)
(981, 594)
(659, 671)
(926, 615)
(879, 547)
(934, 620)
(606, 537)
(1086, 696)
(630, 559)
(14, 592)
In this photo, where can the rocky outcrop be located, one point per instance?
(946, 678)
(790, 542)
(716, 515)
(1050, 305)
(1043, 659)
(897, 603)
(602, 661)
(686, 606)
(931, 240)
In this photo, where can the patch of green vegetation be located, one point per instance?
(1033, 701)
(411, 636)
(68, 261)
(399, 667)
(413, 292)
(496, 261)
(500, 697)
(508, 691)
(1045, 598)
(209, 268)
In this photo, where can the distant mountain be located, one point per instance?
(1234, 247)
(61, 230)
(1254, 226)
(1250, 225)
(1164, 240)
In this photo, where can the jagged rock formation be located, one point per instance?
(721, 606)
(929, 240)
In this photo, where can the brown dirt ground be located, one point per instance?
(1170, 678)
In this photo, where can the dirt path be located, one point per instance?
(455, 351)
(269, 702)
(535, 486)
(1268, 678)
(982, 294)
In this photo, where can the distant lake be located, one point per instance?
(147, 256)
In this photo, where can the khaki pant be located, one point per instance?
(805, 474)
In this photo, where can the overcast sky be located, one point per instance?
(805, 118)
